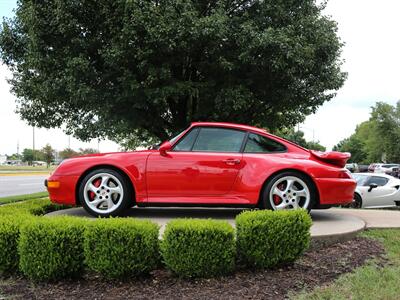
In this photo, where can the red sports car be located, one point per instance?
(208, 164)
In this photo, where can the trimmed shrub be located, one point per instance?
(198, 248)
(121, 247)
(51, 248)
(269, 238)
(29, 208)
(9, 236)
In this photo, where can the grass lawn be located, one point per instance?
(26, 168)
(19, 198)
(371, 281)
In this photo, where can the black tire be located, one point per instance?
(357, 202)
(265, 200)
(123, 203)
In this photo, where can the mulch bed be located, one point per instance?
(315, 268)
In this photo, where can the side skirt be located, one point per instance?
(161, 204)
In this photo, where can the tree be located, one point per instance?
(28, 155)
(48, 154)
(354, 146)
(87, 151)
(14, 156)
(387, 120)
(315, 146)
(68, 153)
(377, 139)
(143, 70)
(298, 138)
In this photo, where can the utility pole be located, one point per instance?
(33, 144)
(69, 142)
(18, 148)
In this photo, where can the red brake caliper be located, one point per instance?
(276, 198)
(96, 183)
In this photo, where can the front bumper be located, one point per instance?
(337, 191)
(62, 189)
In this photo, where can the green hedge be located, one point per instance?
(51, 248)
(54, 248)
(121, 247)
(9, 237)
(269, 238)
(198, 248)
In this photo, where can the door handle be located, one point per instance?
(231, 161)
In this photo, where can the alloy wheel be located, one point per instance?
(289, 192)
(103, 193)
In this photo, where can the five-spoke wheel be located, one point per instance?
(289, 190)
(104, 192)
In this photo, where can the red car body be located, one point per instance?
(208, 178)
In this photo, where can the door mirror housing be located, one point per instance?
(164, 148)
(372, 186)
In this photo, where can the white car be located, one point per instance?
(384, 168)
(375, 190)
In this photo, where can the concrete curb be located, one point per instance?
(329, 227)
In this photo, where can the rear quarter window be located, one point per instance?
(260, 144)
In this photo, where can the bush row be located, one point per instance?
(54, 248)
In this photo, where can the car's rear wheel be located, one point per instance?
(289, 190)
(104, 193)
(357, 201)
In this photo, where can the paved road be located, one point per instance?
(20, 185)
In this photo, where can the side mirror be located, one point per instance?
(164, 148)
(372, 186)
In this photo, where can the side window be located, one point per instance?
(380, 181)
(260, 144)
(219, 140)
(185, 144)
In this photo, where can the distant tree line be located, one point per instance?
(48, 154)
(297, 136)
(375, 140)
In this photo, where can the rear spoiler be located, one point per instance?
(338, 159)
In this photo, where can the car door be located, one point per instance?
(383, 195)
(204, 162)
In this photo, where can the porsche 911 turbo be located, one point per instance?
(208, 164)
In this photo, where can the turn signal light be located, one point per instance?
(53, 184)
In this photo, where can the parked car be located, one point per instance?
(208, 164)
(375, 191)
(353, 167)
(394, 171)
(362, 168)
(371, 168)
(385, 168)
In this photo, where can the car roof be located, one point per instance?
(376, 174)
(229, 125)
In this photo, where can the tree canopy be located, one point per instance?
(138, 69)
(297, 136)
(375, 140)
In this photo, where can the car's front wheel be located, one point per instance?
(289, 190)
(104, 193)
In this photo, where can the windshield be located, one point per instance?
(361, 179)
(389, 166)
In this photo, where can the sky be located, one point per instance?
(370, 30)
